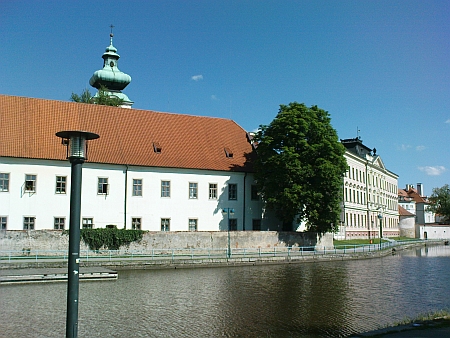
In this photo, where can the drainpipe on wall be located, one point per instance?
(125, 199)
(243, 217)
(367, 202)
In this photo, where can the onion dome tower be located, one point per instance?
(111, 77)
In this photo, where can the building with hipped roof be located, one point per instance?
(148, 170)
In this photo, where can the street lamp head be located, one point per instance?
(380, 216)
(76, 145)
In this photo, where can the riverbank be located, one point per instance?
(173, 261)
(436, 325)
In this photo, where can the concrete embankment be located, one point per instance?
(174, 262)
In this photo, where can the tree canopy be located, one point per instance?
(440, 202)
(300, 167)
(102, 98)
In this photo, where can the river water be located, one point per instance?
(330, 299)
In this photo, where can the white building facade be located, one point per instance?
(369, 193)
(37, 196)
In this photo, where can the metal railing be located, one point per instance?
(171, 255)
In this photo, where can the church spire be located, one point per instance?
(110, 76)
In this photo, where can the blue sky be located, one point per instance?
(382, 67)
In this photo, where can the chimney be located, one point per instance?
(420, 189)
(409, 187)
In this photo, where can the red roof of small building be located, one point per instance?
(127, 136)
(403, 212)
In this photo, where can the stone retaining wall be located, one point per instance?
(47, 240)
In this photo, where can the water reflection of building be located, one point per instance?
(369, 190)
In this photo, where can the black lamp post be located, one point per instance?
(380, 217)
(228, 211)
(76, 153)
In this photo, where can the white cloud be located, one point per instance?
(448, 121)
(197, 77)
(214, 97)
(433, 171)
(420, 148)
(404, 147)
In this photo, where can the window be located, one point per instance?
(228, 152)
(4, 182)
(256, 225)
(165, 188)
(192, 224)
(59, 223)
(136, 223)
(102, 186)
(193, 190)
(137, 187)
(254, 193)
(157, 147)
(212, 191)
(88, 223)
(3, 222)
(30, 183)
(232, 191)
(165, 224)
(60, 184)
(28, 223)
(232, 224)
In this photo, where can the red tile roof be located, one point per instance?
(412, 194)
(403, 212)
(127, 136)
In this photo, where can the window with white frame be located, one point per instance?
(88, 223)
(213, 191)
(30, 183)
(137, 187)
(232, 224)
(4, 181)
(165, 188)
(193, 224)
(165, 224)
(193, 190)
(136, 223)
(28, 223)
(61, 184)
(59, 223)
(232, 191)
(102, 188)
(3, 222)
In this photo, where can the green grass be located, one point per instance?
(367, 241)
(443, 315)
(357, 241)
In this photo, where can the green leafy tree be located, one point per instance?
(103, 98)
(85, 97)
(300, 167)
(440, 202)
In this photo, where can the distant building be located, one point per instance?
(369, 192)
(413, 200)
(407, 224)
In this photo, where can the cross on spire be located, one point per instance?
(111, 34)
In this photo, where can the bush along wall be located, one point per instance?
(109, 238)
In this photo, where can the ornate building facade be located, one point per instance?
(370, 200)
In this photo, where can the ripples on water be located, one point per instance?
(333, 299)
